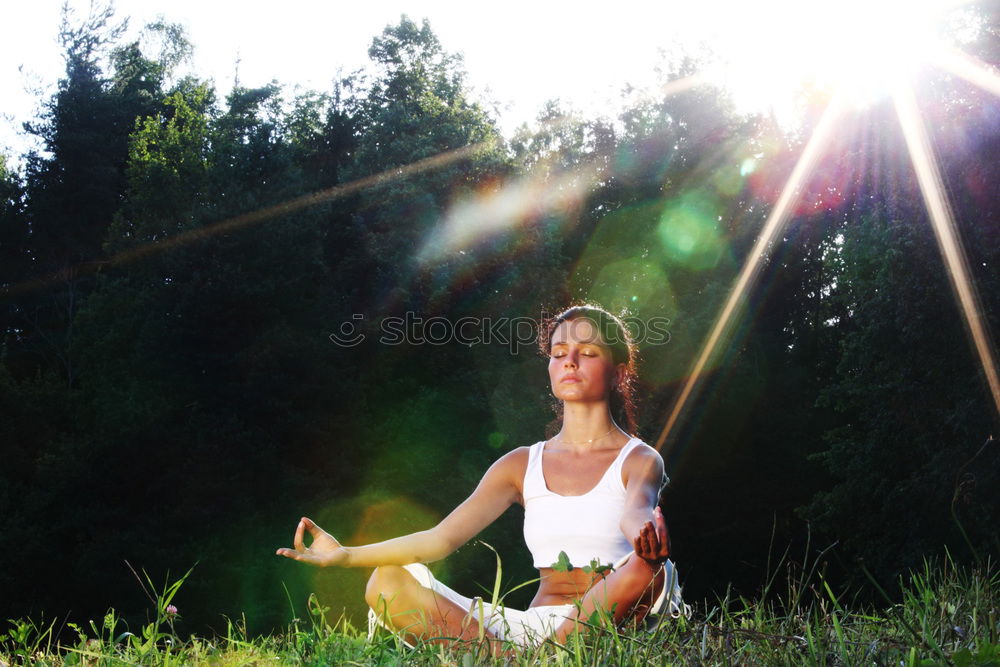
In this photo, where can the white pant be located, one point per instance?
(535, 624)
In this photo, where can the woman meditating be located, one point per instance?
(590, 491)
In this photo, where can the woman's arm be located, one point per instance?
(498, 490)
(640, 523)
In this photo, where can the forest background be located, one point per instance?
(177, 264)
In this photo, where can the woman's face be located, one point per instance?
(581, 367)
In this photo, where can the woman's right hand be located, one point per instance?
(324, 551)
(653, 542)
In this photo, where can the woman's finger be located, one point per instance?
(315, 530)
(300, 532)
(641, 543)
(661, 532)
(648, 539)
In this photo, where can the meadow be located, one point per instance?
(945, 615)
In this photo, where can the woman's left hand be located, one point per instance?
(653, 543)
(324, 551)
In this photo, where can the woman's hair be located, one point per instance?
(617, 337)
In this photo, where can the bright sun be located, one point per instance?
(859, 52)
(863, 48)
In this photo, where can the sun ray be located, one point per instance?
(943, 223)
(775, 223)
(677, 86)
(248, 219)
(971, 69)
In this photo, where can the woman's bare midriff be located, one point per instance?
(562, 587)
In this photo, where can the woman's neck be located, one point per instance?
(586, 425)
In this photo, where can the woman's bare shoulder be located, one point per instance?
(643, 461)
(516, 460)
(508, 471)
(644, 451)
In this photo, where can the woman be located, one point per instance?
(590, 494)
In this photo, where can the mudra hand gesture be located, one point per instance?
(325, 550)
(653, 543)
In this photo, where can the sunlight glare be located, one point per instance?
(773, 227)
(942, 221)
(477, 219)
(776, 50)
(971, 69)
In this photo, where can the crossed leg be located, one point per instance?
(628, 591)
(416, 611)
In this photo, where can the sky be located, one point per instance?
(518, 54)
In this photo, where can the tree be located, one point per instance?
(14, 254)
(417, 107)
(167, 172)
(75, 188)
(908, 471)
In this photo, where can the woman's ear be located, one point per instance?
(619, 374)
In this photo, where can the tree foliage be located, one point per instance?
(175, 261)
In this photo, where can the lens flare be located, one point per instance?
(635, 285)
(375, 517)
(477, 218)
(621, 268)
(971, 69)
(889, 42)
(689, 232)
(546, 191)
(921, 154)
(775, 223)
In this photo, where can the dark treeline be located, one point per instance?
(170, 394)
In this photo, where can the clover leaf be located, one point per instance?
(595, 567)
(598, 568)
(563, 564)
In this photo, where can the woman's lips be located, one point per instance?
(569, 379)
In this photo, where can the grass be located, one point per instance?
(947, 615)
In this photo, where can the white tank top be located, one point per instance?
(585, 526)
